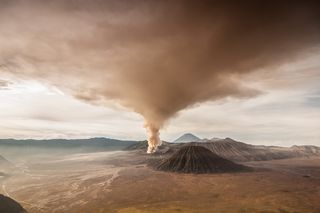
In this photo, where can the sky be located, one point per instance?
(287, 113)
(110, 69)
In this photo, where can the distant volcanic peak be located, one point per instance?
(197, 159)
(186, 138)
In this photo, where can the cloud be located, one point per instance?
(154, 57)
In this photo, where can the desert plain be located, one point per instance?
(122, 181)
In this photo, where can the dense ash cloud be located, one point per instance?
(153, 57)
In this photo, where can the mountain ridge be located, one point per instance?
(98, 141)
(238, 151)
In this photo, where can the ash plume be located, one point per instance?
(153, 57)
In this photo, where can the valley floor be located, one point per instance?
(121, 182)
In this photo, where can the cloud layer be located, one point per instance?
(153, 57)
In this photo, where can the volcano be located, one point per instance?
(197, 159)
(186, 138)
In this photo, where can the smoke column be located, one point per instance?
(153, 57)
(153, 139)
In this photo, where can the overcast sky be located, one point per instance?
(249, 70)
(287, 113)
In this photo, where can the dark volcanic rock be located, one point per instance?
(8, 205)
(197, 159)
